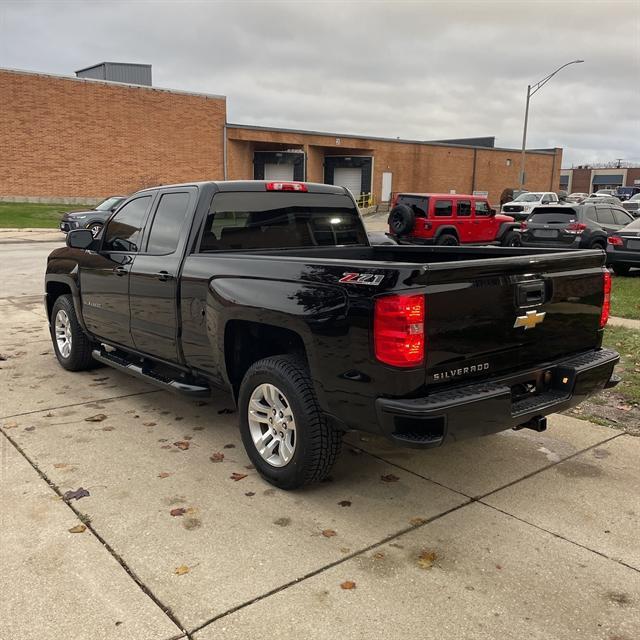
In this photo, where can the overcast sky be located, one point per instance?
(418, 70)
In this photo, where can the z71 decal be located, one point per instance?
(362, 278)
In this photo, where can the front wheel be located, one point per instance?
(511, 239)
(95, 229)
(71, 345)
(285, 433)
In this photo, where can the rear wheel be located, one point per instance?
(447, 240)
(70, 343)
(621, 269)
(285, 434)
(598, 244)
(95, 228)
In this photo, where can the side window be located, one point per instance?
(605, 215)
(464, 208)
(124, 230)
(443, 208)
(622, 218)
(546, 199)
(482, 208)
(590, 213)
(167, 223)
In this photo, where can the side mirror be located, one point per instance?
(492, 212)
(79, 239)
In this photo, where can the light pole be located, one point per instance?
(531, 89)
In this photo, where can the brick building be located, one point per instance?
(83, 139)
(587, 179)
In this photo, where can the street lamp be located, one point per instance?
(531, 89)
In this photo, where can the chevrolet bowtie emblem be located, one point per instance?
(529, 320)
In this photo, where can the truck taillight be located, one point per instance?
(286, 186)
(523, 226)
(606, 302)
(615, 240)
(576, 228)
(398, 330)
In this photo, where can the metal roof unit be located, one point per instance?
(118, 72)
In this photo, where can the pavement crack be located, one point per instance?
(165, 609)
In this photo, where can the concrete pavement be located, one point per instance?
(515, 535)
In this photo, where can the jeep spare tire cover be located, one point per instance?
(402, 219)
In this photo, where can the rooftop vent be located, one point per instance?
(118, 72)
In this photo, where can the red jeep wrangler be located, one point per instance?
(442, 218)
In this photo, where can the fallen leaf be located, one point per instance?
(426, 559)
(60, 465)
(378, 555)
(416, 521)
(164, 474)
(12, 424)
(329, 533)
(149, 424)
(250, 493)
(216, 457)
(389, 478)
(624, 407)
(101, 379)
(181, 570)
(345, 503)
(178, 511)
(229, 446)
(99, 417)
(79, 528)
(76, 495)
(348, 584)
(249, 466)
(182, 444)
(166, 446)
(29, 428)
(237, 476)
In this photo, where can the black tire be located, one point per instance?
(79, 357)
(317, 444)
(402, 220)
(511, 239)
(621, 269)
(95, 228)
(598, 244)
(447, 240)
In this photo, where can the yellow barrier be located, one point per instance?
(366, 200)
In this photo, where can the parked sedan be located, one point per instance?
(632, 205)
(577, 198)
(623, 248)
(580, 226)
(93, 219)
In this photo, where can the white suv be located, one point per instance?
(523, 205)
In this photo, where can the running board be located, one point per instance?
(156, 379)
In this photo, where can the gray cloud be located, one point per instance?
(423, 70)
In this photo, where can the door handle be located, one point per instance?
(163, 276)
(120, 271)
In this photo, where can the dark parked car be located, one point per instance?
(272, 291)
(580, 226)
(624, 193)
(93, 219)
(623, 249)
(632, 205)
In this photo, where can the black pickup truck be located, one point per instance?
(273, 292)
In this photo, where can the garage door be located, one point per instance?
(350, 178)
(278, 172)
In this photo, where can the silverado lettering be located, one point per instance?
(246, 286)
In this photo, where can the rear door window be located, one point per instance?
(167, 223)
(271, 220)
(443, 208)
(605, 215)
(464, 208)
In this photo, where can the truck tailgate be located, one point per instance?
(486, 320)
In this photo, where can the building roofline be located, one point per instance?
(129, 85)
(352, 136)
(122, 64)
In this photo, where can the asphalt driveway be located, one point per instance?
(517, 535)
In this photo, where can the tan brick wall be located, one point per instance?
(62, 137)
(415, 167)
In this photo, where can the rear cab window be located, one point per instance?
(272, 220)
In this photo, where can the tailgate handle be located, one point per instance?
(530, 293)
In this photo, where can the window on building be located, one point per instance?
(125, 229)
(167, 223)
